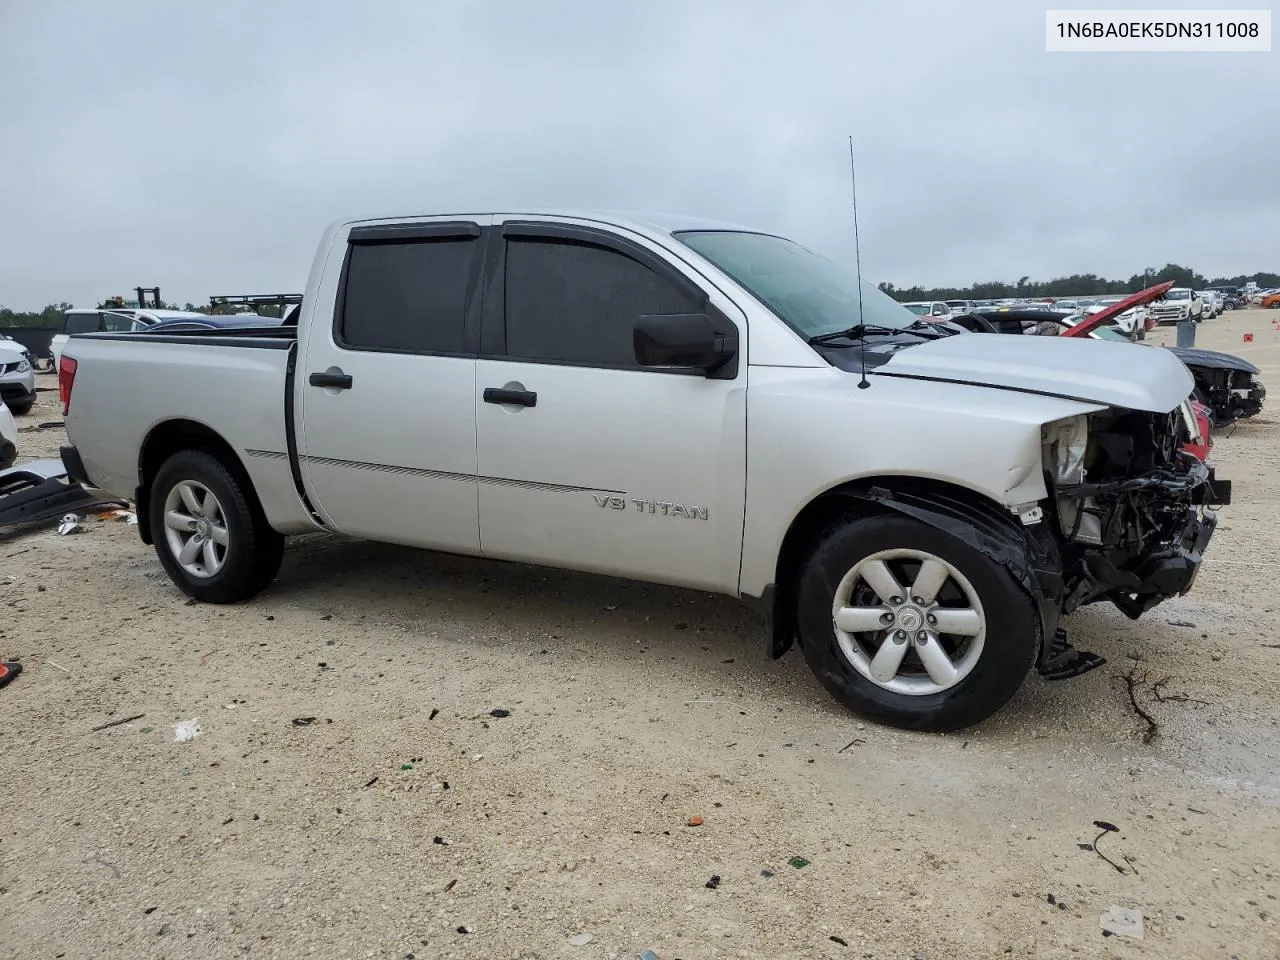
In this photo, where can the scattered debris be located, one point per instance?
(647, 955)
(840, 940)
(116, 723)
(695, 821)
(766, 874)
(441, 841)
(580, 939)
(185, 730)
(372, 782)
(856, 742)
(798, 862)
(406, 766)
(499, 713)
(434, 713)
(714, 882)
(451, 884)
(465, 929)
(303, 721)
(1106, 828)
(1180, 623)
(50, 424)
(1124, 921)
(124, 516)
(227, 821)
(9, 670)
(70, 523)
(58, 666)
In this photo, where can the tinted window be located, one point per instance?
(578, 303)
(408, 296)
(81, 323)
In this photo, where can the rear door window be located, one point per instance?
(408, 297)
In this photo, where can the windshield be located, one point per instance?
(809, 293)
(1178, 295)
(919, 309)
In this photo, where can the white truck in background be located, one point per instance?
(676, 401)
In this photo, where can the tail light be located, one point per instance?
(66, 380)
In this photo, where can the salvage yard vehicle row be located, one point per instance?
(675, 401)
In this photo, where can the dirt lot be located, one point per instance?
(407, 821)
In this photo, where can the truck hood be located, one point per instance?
(1096, 371)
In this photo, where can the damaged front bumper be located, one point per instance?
(1151, 534)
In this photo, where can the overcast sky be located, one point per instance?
(204, 146)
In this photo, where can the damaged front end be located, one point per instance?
(1133, 507)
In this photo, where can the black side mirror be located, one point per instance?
(692, 340)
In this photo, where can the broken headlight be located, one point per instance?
(1063, 444)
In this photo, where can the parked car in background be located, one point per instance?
(235, 321)
(8, 438)
(1214, 304)
(929, 309)
(923, 567)
(1179, 304)
(960, 307)
(1270, 301)
(17, 378)
(113, 320)
(1232, 296)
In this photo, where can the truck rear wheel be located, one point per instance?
(908, 626)
(210, 533)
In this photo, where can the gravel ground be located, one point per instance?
(408, 821)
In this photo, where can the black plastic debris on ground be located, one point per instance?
(840, 940)
(303, 721)
(713, 882)
(499, 713)
(9, 670)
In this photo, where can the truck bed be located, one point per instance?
(234, 382)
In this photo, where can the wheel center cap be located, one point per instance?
(202, 528)
(910, 618)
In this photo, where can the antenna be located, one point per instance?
(857, 259)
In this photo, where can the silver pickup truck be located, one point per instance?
(673, 401)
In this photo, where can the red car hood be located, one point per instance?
(1107, 314)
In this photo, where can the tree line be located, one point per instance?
(1078, 284)
(51, 316)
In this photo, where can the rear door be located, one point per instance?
(586, 459)
(384, 388)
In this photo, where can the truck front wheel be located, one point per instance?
(210, 533)
(909, 626)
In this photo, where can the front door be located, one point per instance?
(387, 425)
(587, 460)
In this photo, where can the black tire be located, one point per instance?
(20, 408)
(254, 550)
(1012, 635)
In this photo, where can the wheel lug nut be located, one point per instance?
(886, 618)
(896, 601)
(900, 637)
(932, 619)
(917, 601)
(921, 637)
